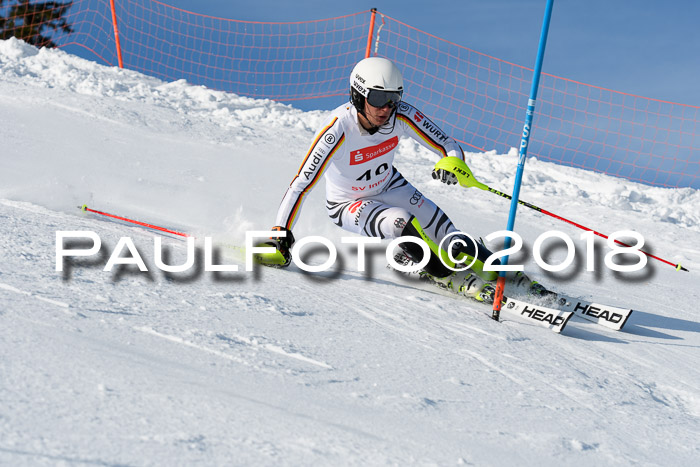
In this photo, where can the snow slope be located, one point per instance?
(286, 368)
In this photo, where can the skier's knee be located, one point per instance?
(397, 220)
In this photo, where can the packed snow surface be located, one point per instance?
(282, 367)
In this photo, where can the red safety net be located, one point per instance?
(478, 99)
(481, 101)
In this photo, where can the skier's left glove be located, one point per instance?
(445, 177)
(283, 245)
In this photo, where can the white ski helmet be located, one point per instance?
(376, 79)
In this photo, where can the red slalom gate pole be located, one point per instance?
(132, 221)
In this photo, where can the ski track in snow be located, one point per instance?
(289, 368)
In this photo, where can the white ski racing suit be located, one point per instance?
(365, 193)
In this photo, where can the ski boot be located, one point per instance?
(468, 284)
(520, 282)
(464, 283)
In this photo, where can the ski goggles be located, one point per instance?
(378, 98)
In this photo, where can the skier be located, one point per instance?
(366, 194)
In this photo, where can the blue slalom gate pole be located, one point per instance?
(500, 284)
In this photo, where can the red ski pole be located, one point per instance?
(551, 214)
(125, 219)
(458, 167)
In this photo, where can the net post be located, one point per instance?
(116, 35)
(368, 52)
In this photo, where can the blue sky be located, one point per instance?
(645, 47)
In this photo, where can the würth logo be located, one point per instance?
(353, 207)
(418, 116)
(367, 154)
